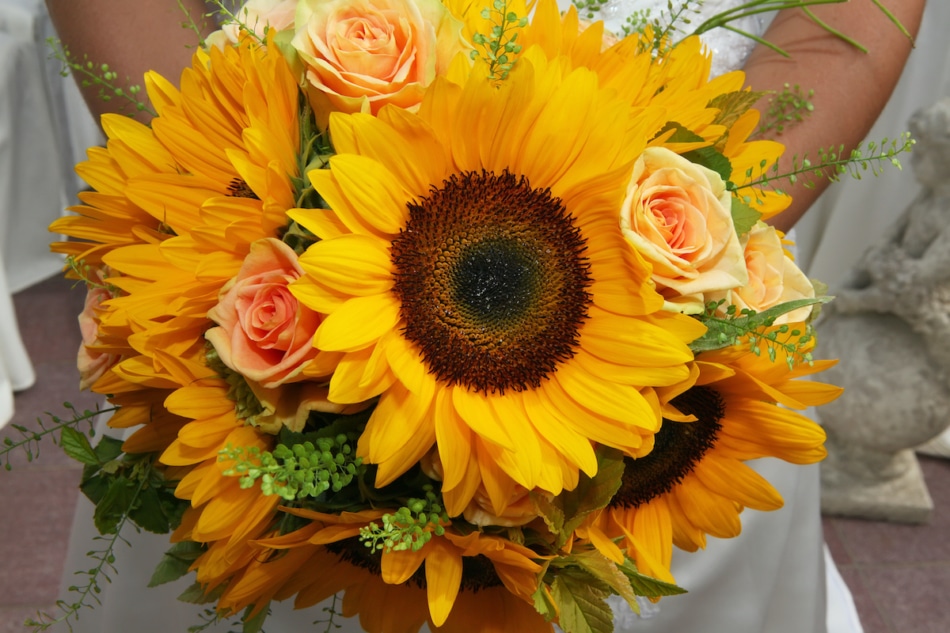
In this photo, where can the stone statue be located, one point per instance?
(890, 327)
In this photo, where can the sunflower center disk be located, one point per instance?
(678, 448)
(492, 279)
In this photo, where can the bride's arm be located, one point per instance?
(851, 87)
(132, 36)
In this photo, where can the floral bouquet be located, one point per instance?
(463, 316)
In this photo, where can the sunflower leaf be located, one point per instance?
(606, 571)
(195, 594)
(544, 602)
(552, 515)
(733, 105)
(591, 494)
(117, 502)
(176, 562)
(711, 158)
(149, 513)
(647, 586)
(583, 604)
(744, 217)
(255, 623)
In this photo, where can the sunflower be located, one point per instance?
(477, 283)
(456, 582)
(694, 482)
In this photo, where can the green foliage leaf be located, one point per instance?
(149, 514)
(733, 105)
(583, 605)
(77, 446)
(543, 602)
(711, 158)
(607, 572)
(108, 448)
(725, 332)
(743, 216)
(648, 586)
(176, 562)
(707, 156)
(552, 515)
(680, 134)
(94, 488)
(592, 493)
(115, 504)
(255, 624)
(195, 594)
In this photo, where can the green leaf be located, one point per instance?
(680, 134)
(95, 488)
(176, 562)
(725, 332)
(743, 216)
(583, 605)
(195, 594)
(77, 446)
(117, 502)
(707, 156)
(149, 514)
(543, 602)
(108, 448)
(648, 586)
(607, 572)
(711, 158)
(733, 105)
(255, 624)
(591, 494)
(552, 515)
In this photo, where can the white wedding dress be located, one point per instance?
(771, 579)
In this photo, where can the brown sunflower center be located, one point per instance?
(478, 572)
(678, 448)
(492, 280)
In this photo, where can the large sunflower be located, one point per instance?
(694, 482)
(475, 278)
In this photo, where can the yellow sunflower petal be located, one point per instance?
(357, 323)
(443, 578)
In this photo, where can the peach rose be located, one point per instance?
(678, 216)
(264, 334)
(773, 276)
(261, 15)
(364, 54)
(92, 361)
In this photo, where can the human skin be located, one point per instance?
(132, 37)
(851, 87)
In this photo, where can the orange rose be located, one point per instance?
(364, 54)
(264, 334)
(678, 216)
(92, 361)
(773, 276)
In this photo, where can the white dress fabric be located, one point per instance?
(771, 579)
